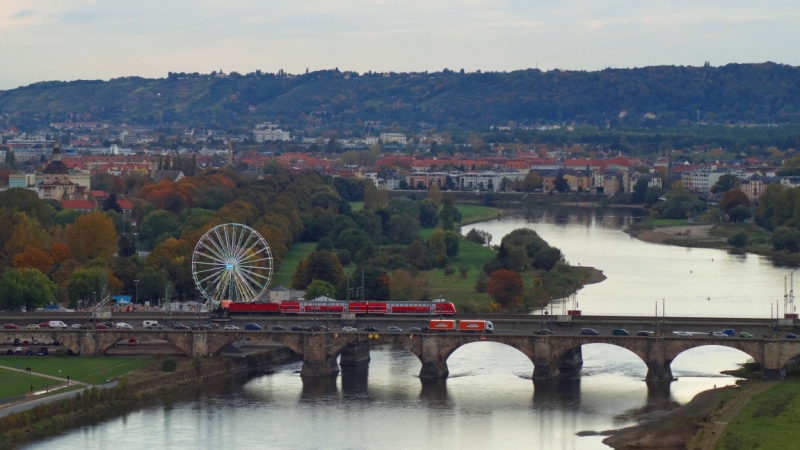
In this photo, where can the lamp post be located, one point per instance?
(136, 292)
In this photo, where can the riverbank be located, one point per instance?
(678, 428)
(159, 378)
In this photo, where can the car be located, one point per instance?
(231, 327)
(154, 326)
(349, 329)
(33, 326)
(132, 342)
(34, 341)
(545, 332)
(76, 326)
(252, 327)
(394, 329)
(683, 334)
(619, 332)
(278, 328)
(10, 326)
(42, 351)
(18, 350)
(371, 329)
(729, 332)
(297, 328)
(9, 352)
(589, 332)
(109, 324)
(415, 330)
(16, 341)
(213, 326)
(320, 328)
(746, 335)
(24, 343)
(717, 334)
(44, 325)
(791, 336)
(123, 325)
(101, 326)
(29, 352)
(644, 333)
(180, 327)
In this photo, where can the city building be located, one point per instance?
(270, 132)
(56, 184)
(398, 138)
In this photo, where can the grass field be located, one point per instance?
(356, 206)
(666, 223)
(87, 370)
(755, 234)
(283, 277)
(459, 290)
(768, 421)
(15, 383)
(473, 213)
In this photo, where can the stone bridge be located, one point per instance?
(552, 356)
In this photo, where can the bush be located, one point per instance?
(786, 238)
(61, 353)
(463, 270)
(482, 284)
(739, 213)
(449, 271)
(738, 240)
(344, 257)
(169, 365)
(475, 236)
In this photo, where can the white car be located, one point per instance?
(231, 327)
(76, 326)
(18, 350)
(683, 334)
(718, 334)
(124, 326)
(348, 329)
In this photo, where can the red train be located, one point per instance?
(437, 307)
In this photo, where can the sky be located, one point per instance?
(102, 39)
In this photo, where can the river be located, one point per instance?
(489, 400)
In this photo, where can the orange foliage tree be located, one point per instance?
(34, 258)
(92, 236)
(505, 286)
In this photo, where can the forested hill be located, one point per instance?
(751, 92)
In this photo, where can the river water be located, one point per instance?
(489, 400)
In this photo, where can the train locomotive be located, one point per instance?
(437, 307)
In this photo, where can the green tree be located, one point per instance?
(532, 181)
(403, 228)
(436, 243)
(428, 214)
(639, 193)
(786, 238)
(725, 183)
(738, 240)
(448, 213)
(11, 160)
(560, 184)
(26, 287)
(319, 288)
(739, 213)
(453, 242)
(324, 244)
(86, 285)
(732, 199)
(321, 265)
(152, 284)
(156, 224)
(402, 205)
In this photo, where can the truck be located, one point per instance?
(442, 325)
(475, 326)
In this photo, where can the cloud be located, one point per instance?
(23, 13)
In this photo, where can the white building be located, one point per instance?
(486, 181)
(270, 132)
(394, 137)
(701, 181)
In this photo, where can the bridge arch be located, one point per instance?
(216, 341)
(676, 347)
(516, 357)
(696, 359)
(182, 341)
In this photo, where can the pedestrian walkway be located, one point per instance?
(70, 382)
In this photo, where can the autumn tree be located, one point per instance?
(321, 265)
(404, 286)
(92, 236)
(59, 252)
(26, 233)
(435, 194)
(437, 245)
(532, 181)
(732, 199)
(34, 258)
(505, 286)
(26, 287)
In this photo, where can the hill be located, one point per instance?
(761, 93)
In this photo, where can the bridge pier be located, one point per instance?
(570, 363)
(659, 372)
(88, 343)
(355, 355)
(434, 358)
(316, 360)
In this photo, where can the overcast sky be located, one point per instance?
(91, 39)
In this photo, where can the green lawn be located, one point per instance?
(768, 421)
(87, 370)
(356, 206)
(755, 234)
(473, 213)
(15, 383)
(461, 291)
(283, 277)
(657, 223)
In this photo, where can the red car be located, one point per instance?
(100, 326)
(10, 326)
(44, 325)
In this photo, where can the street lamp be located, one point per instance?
(136, 294)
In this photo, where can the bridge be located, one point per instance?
(552, 356)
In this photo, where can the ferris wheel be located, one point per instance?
(232, 262)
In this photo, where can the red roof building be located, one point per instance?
(78, 205)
